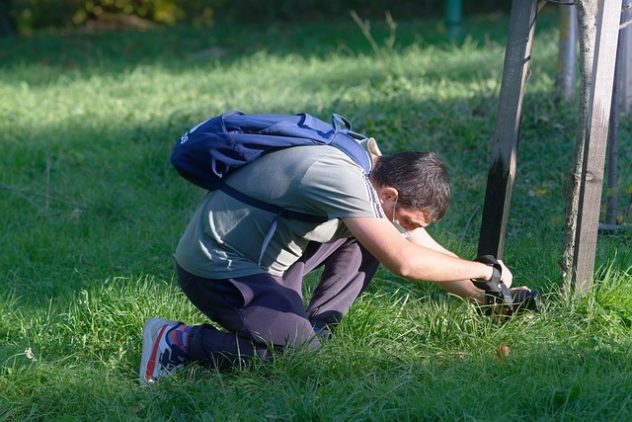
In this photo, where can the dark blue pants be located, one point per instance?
(262, 313)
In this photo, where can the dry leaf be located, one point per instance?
(502, 351)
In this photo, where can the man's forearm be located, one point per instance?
(464, 289)
(410, 260)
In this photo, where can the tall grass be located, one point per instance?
(91, 212)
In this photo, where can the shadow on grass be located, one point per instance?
(78, 55)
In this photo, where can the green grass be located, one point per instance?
(92, 211)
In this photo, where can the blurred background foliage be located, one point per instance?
(26, 16)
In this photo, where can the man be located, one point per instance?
(247, 277)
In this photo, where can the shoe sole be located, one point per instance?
(153, 331)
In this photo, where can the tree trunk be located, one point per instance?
(587, 21)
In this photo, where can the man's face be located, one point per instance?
(409, 219)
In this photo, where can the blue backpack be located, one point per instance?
(216, 147)
(213, 149)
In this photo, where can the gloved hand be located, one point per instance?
(499, 299)
(496, 291)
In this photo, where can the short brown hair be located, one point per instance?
(421, 179)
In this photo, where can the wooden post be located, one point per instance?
(613, 147)
(587, 11)
(612, 204)
(566, 72)
(504, 143)
(595, 144)
(625, 88)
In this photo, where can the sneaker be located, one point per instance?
(323, 333)
(159, 358)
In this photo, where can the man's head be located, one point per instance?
(413, 181)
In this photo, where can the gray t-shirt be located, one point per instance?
(225, 236)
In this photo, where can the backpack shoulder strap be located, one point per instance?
(257, 203)
(279, 211)
(353, 149)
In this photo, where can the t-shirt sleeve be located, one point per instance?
(339, 188)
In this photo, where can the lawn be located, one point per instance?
(91, 212)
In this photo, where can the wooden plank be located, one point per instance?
(595, 147)
(567, 52)
(587, 11)
(625, 92)
(504, 143)
(612, 202)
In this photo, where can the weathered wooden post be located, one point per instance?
(566, 58)
(625, 92)
(587, 23)
(504, 143)
(612, 204)
(594, 153)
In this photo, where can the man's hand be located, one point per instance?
(497, 285)
(506, 276)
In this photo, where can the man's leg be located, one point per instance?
(348, 269)
(259, 312)
(169, 345)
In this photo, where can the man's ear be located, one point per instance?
(388, 193)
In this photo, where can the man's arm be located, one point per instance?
(408, 259)
(462, 288)
(422, 237)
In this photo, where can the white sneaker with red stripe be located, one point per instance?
(158, 358)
